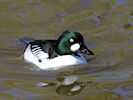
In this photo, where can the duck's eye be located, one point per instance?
(71, 40)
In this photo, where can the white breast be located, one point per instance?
(55, 63)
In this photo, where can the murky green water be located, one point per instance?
(107, 26)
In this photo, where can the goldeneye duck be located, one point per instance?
(54, 54)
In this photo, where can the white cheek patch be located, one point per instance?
(75, 47)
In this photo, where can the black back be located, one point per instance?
(48, 46)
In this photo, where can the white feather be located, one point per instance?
(75, 47)
(42, 55)
(55, 63)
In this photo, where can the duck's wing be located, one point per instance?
(43, 49)
(49, 47)
(36, 47)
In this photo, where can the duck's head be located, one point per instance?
(71, 42)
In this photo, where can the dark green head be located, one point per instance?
(70, 42)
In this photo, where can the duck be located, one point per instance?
(68, 49)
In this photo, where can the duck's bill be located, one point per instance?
(86, 51)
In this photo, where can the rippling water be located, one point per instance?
(107, 26)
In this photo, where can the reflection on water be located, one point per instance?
(66, 86)
(107, 28)
(70, 86)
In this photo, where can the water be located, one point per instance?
(107, 27)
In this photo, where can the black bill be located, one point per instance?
(85, 50)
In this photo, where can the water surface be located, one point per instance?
(108, 30)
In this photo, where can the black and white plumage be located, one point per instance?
(43, 49)
(54, 54)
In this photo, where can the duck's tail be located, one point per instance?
(24, 41)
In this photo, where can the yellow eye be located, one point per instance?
(71, 40)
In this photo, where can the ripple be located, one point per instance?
(122, 91)
(121, 1)
(63, 14)
(108, 32)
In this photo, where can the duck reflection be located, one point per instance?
(66, 86)
(69, 85)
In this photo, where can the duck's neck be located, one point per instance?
(62, 48)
